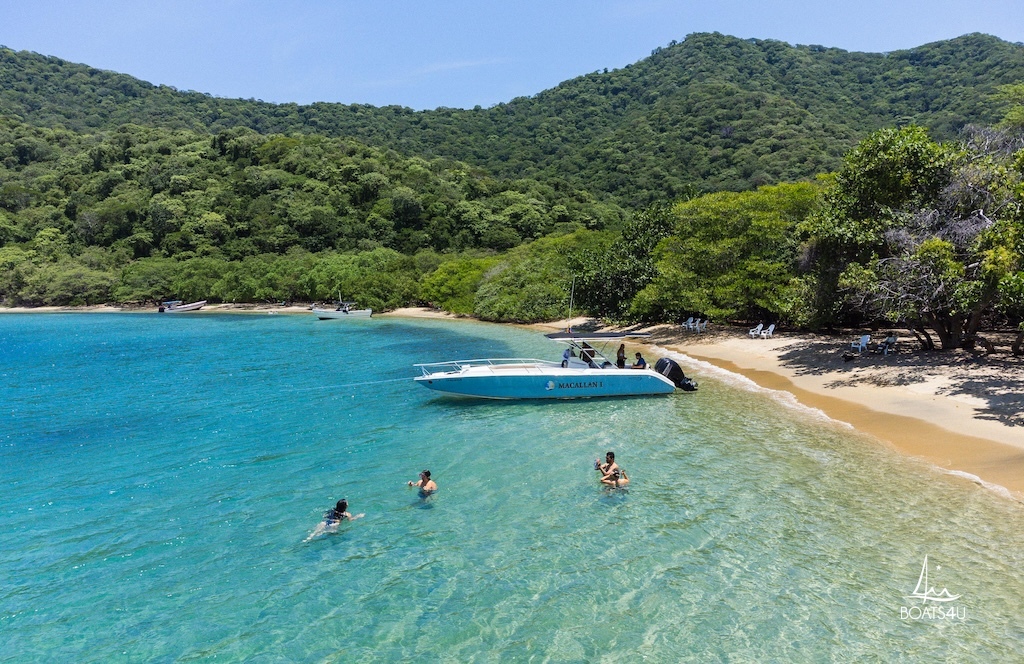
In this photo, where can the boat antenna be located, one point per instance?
(572, 292)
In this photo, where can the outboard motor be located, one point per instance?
(669, 369)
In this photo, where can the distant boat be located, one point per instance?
(172, 306)
(344, 310)
(587, 375)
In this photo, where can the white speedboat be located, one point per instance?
(172, 306)
(344, 310)
(584, 374)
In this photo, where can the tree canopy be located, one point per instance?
(710, 113)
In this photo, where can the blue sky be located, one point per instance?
(456, 53)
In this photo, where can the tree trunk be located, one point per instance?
(1017, 343)
(923, 337)
(949, 329)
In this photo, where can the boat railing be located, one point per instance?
(455, 366)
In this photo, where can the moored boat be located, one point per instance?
(344, 310)
(586, 373)
(172, 306)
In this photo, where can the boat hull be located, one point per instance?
(554, 383)
(331, 314)
(180, 308)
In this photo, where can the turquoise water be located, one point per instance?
(160, 474)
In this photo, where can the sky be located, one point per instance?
(456, 53)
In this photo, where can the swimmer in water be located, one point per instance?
(617, 478)
(338, 513)
(426, 485)
(333, 518)
(608, 466)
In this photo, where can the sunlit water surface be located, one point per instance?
(160, 474)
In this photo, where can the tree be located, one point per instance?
(919, 233)
(610, 275)
(1013, 97)
(731, 256)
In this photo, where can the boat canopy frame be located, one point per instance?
(579, 341)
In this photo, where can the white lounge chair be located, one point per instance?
(688, 324)
(862, 343)
(703, 326)
(767, 334)
(756, 332)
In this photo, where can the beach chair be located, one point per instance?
(695, 326)
(688, 324)
(767, 334)
(862, 343)
(703, 326)
(756, 332)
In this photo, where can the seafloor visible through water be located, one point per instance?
(160, 474)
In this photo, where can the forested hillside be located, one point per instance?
(710, 113)
(694, 183)
(74, 201)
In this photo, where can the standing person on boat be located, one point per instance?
(620, 357)
(426, 485)
(640, 363)
(566, 354)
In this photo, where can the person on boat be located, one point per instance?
(640, 363)
(426, 485)
(617, 478)
(566, 354)
(620, 357)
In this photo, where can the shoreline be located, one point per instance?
(958, 411)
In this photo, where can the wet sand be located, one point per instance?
(961, 411)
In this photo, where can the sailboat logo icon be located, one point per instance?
(925, 592)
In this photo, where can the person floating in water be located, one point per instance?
(426, 485)
(617, 478)
(333, 518)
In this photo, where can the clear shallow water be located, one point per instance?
(161, 473)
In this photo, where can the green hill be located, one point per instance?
(710, 113)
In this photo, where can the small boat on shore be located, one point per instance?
(173, 306)
(586, 373)
(344, 310)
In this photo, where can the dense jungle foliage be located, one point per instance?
(711, 113)
(915, 227)
(140, 213)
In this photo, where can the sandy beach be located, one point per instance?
(961, 411)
